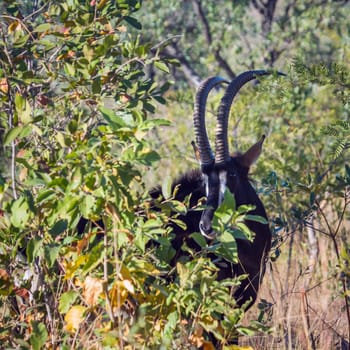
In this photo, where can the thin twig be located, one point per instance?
(135, 59)
(105, 275)
(37, 11)
(165, 42)
(22, 24)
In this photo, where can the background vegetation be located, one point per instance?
(96, 105)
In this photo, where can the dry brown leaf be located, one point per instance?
(196, 337)
(207, 345)
(4, 275)
(92, 289)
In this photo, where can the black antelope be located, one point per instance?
(220, 171)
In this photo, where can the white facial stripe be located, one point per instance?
(223, 179)
(206, 182)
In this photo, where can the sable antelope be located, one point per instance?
(219, 172)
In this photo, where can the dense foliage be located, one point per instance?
(86, 105)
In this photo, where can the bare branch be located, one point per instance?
(191, 75)
(200, 13)
(223, 64)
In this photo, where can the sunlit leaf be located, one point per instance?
(66, 300)
(92, 289)
(120, 292)
(162, 66)
(20, 213)
(42, 27)
(16, 132)
(74, 318)
(166, 187)
(256, 218)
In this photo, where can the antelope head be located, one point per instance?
(221, 170)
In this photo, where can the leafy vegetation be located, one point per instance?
(90, 120)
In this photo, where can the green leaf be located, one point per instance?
(20, 213)
(228, 205)
(256, 218)
(148, 157)
(59, 227)
(87, 206)
(34, 248)
(227, 247)
(199, 239)
(152, 123)
(133, 22)
(166, 187)
(178, 223)
(170, 326)
(246, 230)
(39, 335)
(17, 131)
(60, 139)
(45, 194)
(111, 118)
(21, 41)
(67, 300)
(94, 257)
(178, 207)
(51, 253)
(23, 109)
(96, 86)
(42, 28)
(69, 69)
(162, 66)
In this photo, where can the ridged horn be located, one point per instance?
(205, 153)
(222, 154)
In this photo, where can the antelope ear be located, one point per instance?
(195, 151)
(253, 153)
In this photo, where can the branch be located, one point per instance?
(10, 117)
(191, 75)
(223, 64)
(200, 13)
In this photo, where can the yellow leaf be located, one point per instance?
(101, 4)
(15, 25)
(120, 292)
(72, 267)
(92, 289)
(237, 347)
(125, 273)
(4, 87)
(74, 317)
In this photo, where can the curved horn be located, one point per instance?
(222, 154)
(205, 153)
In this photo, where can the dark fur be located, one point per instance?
(252, 255)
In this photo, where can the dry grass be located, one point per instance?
(307, 309)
